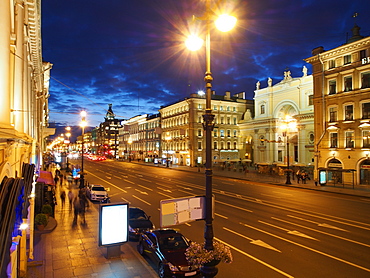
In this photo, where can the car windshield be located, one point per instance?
(137, 214)
(172, 243)
(98, 188)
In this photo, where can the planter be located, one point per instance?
(40, 227)
(212, 263)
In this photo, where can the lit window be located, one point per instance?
(347, 59)
(222, 133)
(310, 100)
(332, 114)
(215, 145)
(348, 113)
(365, 80)
(350, 143)
(347, 83)
(262, 109)
(331, 64)
(333, 140)
(332, 87)
(366, 139)
(366, 110)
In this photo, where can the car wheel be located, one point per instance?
(161, 271)
(140, 249)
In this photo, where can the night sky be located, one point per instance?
(132, 53)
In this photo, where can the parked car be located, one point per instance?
(166, 249)
(96, 192)
(139, 222)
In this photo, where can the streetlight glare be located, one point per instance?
(225, 22)
(194, 43)
(83, 113)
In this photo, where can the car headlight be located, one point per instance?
(172, 267)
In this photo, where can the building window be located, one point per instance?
(222, 120)
(199, 145)
(228, 108)
(280, 155)
(366, 110)
(222, 145)
(199, 119)
(366, 139)
(215, 133)
(199, 106)
(311, 138)
(221, 108)
(228, 146)
(333, 140)
(234, 145)
(350, 143)
(332, 114)
(228, 133)
(262, 140)
(347, 59)
(365, 80)
(234, 132)
(310, 100)
(215, 145)
(228, 120)
(262, 109)
(222, 133)
(347, 83)
(331, 64)
(363, 54)
(332, 87)
(199, 132)
(348, 113)
(234, 109)
(215, 107)
(235, 121)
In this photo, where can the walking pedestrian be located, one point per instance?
(70, 198)
(56, 179)
(63, 198)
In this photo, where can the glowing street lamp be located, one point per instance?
(83, 124)
(194, 43)
(288, 125)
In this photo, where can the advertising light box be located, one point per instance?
(113, 223)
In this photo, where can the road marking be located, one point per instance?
(129, 181)
(254, 258)
(127, 201)
(247, 210)
(321, 232)
(254, 241)
(109, 178)
(147, 188)
(142, 192)
(308, 248)
(119, 188)
(225, 217)
(165, 195)
(117, 177)
(142, 200)
(318, 224)
(296, 233)
(146, 180)
(166, 190)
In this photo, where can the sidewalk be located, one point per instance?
(66, 251)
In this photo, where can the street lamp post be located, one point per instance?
(83, 124)
(68, 134)
(208, 117)
(289, 124)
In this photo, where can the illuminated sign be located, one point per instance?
(365, 60)
(113, 223)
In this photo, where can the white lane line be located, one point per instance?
(296, 233)
(142, 192)
(222, 216)
(247, 210)
(257, 260)
(166, 195)
(129, 181)
(254, 241)
(308, 248)
(318, 224)
(142, 200)
(115, 186)
(166, 190)
(147, 188)
(321, 232)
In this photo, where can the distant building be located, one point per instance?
(107, 140)
(263, 137)
(182, 132)
(341, 78)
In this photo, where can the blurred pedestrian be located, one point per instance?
(79, 210)
(70, 198)
(63, 197)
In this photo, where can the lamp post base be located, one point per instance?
(209, 271)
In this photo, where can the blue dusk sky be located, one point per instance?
(131, 53)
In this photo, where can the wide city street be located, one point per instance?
(273, 231)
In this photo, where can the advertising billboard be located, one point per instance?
(113, 223)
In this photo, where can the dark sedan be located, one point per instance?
(166, 249)
(139, 222)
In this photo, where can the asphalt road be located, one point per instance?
(273, 231)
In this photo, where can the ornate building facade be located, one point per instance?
(263, 137)
(341, 78)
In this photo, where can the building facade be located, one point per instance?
(265, 140)
(24, 113)
(341, 78)
(182, 133)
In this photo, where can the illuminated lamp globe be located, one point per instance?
(225, 22)
(194, 43)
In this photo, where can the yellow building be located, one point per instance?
(341, 78)
(263, 136)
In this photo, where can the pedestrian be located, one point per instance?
(63, 198)
(70, 198)
(79, 210)
(56, 179)
(61, 179)
(298, 174)
(304, 177)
